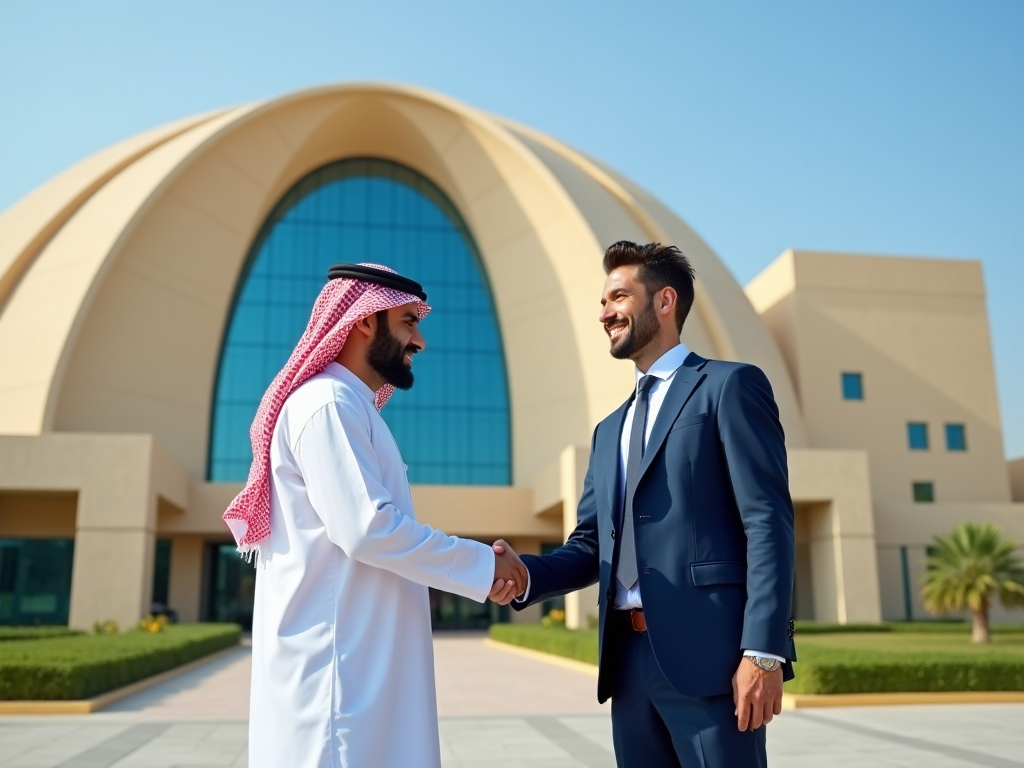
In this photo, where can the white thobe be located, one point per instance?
(342, 658)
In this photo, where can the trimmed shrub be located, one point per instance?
(837, 668)
(35, 633)
(905, 673)
(572, 644)
(924, 627)
(83, 666)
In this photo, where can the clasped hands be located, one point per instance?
(510, 575)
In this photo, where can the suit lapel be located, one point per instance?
(611, 458)
(687, 378)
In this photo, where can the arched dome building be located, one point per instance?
(149, 293)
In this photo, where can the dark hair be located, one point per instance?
(660, 266)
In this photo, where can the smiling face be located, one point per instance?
(395, 341)
(627, 313)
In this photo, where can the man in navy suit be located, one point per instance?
(687, 523)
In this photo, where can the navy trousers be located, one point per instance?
(654, 726)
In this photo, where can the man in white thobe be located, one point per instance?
(342, 668)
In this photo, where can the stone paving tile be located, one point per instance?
(498, 740)
(109, 752)
(978, 727)
(190, 744)
(499, 710)
(597, 729)
(938, 735)
(215, 691)
(795, 740)
(475, 679)
(43, 743)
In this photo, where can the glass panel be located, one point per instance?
(924, 492)
(453, 425)
(555, 603)
(853, 386)
(956, 437)
(231, 588)
(917, 436)
(35, 581)
(161, 575)
(448, 611)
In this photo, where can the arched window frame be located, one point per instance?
(309, 184)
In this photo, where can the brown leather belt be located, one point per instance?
(634, 618)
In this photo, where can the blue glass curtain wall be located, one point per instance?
(453, 426)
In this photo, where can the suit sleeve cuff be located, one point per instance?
(762, 654)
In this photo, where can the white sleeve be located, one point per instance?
(526, 592)
(343, 482)
(764, 655)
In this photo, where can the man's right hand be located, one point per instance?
(510, 576)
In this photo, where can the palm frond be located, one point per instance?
(969, 567)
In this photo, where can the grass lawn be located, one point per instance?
(906, 642)
(81, 666)
(885, 660)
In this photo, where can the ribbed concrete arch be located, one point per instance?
(26, 226)
(56, 292)
(723, 323)
(129, 297)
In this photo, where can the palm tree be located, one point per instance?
(967, 569)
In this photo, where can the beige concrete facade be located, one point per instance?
(1016, 471)
(116, 286)
(916, 330)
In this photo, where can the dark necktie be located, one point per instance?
(626, 573)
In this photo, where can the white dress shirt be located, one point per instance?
(664, 370)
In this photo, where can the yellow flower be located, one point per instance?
(153, 623)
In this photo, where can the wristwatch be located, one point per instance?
(768, 665)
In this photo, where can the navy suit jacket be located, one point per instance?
(713, 529)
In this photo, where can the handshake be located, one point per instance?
(510, 575)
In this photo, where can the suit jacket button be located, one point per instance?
(613, 533)
(609, 594)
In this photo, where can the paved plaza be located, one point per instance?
(498, 710)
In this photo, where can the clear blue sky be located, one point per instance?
(892, 126)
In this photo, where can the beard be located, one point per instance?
(638, 334)
(386, 356)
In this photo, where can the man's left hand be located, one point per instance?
(758, 695)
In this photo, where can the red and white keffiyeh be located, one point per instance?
(341, 304)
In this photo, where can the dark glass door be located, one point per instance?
(448, 611)
(230, 586)
(35, 581)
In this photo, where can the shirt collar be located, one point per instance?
(339, 371)
(667, 364)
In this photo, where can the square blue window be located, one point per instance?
(956, 437)
(917, 436)
(924, 492)
(853, 386)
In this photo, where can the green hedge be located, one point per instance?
(923, 627)
(572, 644)
(83, 666)
(911, 674)
(858, 663)
(35, 633)
(837, 670)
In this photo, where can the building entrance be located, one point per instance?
(448, 611)
(230, 586)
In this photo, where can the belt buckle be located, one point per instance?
(637, 620)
